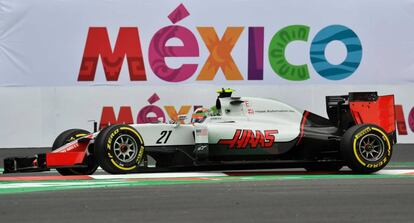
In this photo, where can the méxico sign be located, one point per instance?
(128, 46)
(68, 62)
(136, 43)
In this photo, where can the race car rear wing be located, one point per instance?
(345, 111)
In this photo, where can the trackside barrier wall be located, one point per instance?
(65, 63)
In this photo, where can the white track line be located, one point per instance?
(159, 175)
(395, 172)
(212, 174)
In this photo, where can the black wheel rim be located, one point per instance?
(371, 147)
(125, 148)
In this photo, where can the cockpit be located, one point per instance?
(201, 114)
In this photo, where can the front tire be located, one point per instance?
(366, 148)
(119, 149)
(67, 137)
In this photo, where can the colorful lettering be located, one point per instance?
(352, 60)
(255, 54)
(127, 44)
(108, 116)
(277, 50)
(220, 53)
(173, 114)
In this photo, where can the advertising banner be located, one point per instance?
(67, 63)
(36, 115)
(266, 42)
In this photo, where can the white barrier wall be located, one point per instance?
(36, 115)
(65, 62)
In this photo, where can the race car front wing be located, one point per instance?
(35, 163)
(68, 156)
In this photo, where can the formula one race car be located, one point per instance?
(237, 133)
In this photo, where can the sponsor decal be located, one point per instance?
(202, 132)
(71, 146)
(128, 46)
(202, 148)
(110, 138)
(250, 110)
(363, 132)
(376, 165)
(244, 138)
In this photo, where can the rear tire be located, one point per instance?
(119, 149)
(366, 148)
(67, 137)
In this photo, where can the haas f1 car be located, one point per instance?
(236, 133)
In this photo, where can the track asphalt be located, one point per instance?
(237, 196)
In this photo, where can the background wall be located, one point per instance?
(354, 46)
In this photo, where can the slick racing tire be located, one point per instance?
(366, 148)
(119, 149)
(67, 137)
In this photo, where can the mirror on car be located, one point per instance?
(181, 119)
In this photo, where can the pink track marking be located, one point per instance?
(41, 178)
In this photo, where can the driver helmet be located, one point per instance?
(199, 115)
